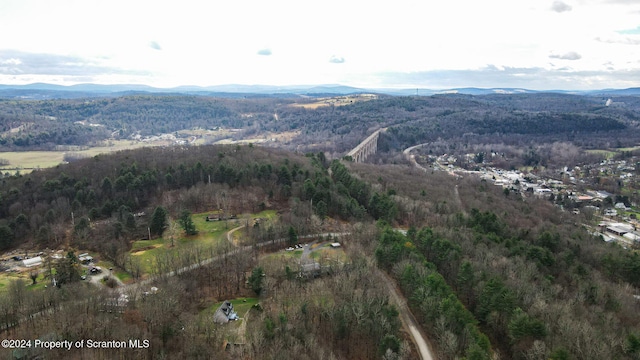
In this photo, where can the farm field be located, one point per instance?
(27, 161)
(335, 101)
(609, 153)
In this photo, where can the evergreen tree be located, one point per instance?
(187, 223)
(293, 236)
(67, 269)
(6, 237)
(256, 279)
(158, 221)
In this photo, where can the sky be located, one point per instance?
(533, 44)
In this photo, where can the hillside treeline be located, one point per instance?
(44, 124)
(100, 195)
(333, 129)
(345, 314)
(520, 271)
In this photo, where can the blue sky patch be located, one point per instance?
(630, 31)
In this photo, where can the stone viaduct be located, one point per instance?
(368, 147)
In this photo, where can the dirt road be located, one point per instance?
(408, 321)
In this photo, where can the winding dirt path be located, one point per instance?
(230, 234)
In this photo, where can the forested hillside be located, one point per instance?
(39, 206)
(520, 271)
(334, 129)
(484, 273)
(487, 273)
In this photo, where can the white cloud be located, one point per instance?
(10, 61)
(571, 55)
(559, 6)
(336, 59)
(161, 43)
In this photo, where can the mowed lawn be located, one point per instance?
(210, 235)
(241, 306)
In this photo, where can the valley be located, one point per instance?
(493, 226)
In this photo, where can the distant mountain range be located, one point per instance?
(50, 91)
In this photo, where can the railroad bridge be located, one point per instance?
(367, 147)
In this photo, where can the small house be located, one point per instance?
(225, 313)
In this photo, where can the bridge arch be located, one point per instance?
(366, 148)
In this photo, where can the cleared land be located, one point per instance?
(210, 235)
(27, 161)
(609, 153)
(335, 101)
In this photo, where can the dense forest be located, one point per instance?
(487, 273)
(520, 271)
(333, 129)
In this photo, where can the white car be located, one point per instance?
(289, 248)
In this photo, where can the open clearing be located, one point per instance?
(26, 161)
(336, 101)
(210, 235)
(8, 278)
(609, 153)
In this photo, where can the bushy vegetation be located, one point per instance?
(535, 285)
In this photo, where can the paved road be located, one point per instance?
(436, 165)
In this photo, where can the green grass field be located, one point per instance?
(7, 278)
(607, 154)
(210, 234)
(634, 148)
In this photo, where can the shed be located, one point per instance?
(34, 261)
(617, 230)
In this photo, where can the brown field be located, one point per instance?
(27, 161)
(336, 101)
